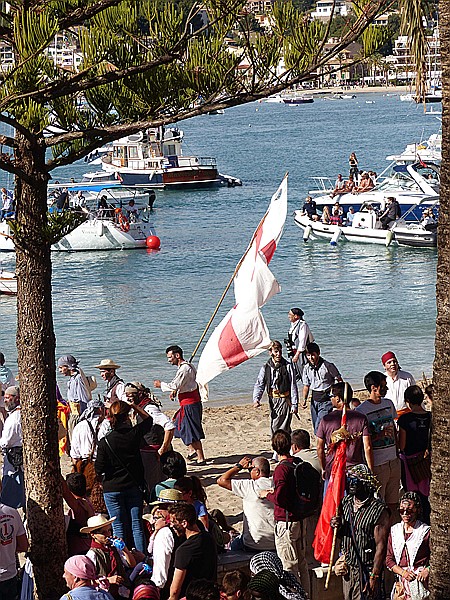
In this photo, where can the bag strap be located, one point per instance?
(142, 487)
(95, 435)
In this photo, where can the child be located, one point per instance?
(193, 493)
(110, 561)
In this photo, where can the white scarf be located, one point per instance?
(413, 543)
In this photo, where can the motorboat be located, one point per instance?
(427, 151)
(107, 225)
(366, 228)
(295, 100)
(409, 184)
(8, 283)
(275, 99)
(154, 159)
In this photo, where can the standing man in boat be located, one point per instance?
(188, 419)
(299, 336)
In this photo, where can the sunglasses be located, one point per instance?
(406, 511)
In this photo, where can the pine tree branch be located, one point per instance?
(9, 167)
(80, 15)
(20, 128)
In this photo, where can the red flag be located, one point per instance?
(323, 536)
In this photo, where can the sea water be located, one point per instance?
(359, 300)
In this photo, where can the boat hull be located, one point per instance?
(96, 235)
(8, 283)
(362, 235)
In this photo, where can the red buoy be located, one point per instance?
(153, 242)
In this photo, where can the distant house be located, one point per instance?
(259, 7)
(324, 9)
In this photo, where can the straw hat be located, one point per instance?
(107, 363)
(96, 522)
(168, 496)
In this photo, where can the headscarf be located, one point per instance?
(363, 473)
(146, 592)
(82, 567)
(289, 586)
(387, 356)
(265, 582)
(68, 361)
(90, 412)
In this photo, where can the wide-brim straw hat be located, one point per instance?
(107, 363)
(96, 522)
(168, 496)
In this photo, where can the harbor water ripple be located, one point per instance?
(359, 300)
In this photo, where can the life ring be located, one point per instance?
(123, 222)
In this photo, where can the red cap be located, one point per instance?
(387, 356)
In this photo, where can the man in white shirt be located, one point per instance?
(188, 419)
(13, 539)
(397, 381)
(259, 524)
(86, 433)
(78, 394)
(13, 484)
(300, 336)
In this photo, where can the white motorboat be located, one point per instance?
(106, 228)
(429, 150)
(8, 283)
(366, 228)
(409, 184)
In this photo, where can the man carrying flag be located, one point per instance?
(363, 526)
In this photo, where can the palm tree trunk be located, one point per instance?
(36, 358)
(440, 485)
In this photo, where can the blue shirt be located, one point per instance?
(87, 593)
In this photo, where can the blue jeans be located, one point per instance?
(127, 506)
(318, 411)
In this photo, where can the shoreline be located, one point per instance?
(376, 89)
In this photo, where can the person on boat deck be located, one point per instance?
(339, 186)
(353, 164)
(336, 218)
(339, 208)
(326, 215)
(365, 184)
(132, 210)
(428, 220)
(62, 202)
(104, 209)
(79, 200)
(188, 419)
(349, 185)
(350, 216)
(391, 213)
(7, 204)
(309, 207)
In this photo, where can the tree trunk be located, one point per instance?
(36, 358)
(440, 484)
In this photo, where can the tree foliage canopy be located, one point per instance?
(147, 62)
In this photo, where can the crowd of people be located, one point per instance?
(140, 527)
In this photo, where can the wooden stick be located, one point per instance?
(333, 548)
(238, 266)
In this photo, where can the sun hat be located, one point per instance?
(96, 522)
(168, 496)
(107, 363)
(387, 356)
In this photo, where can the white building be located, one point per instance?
(324, 9)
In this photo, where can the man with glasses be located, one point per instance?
(258, 518)
(364, 529)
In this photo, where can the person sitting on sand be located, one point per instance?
(258, 514)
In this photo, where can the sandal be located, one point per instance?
(192, 456)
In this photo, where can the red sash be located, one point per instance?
(185, 399)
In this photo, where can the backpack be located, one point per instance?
(308, 489)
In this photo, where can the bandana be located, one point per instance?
(266, 583)
(363, 473)
(91, 411)
(81, 567)
(289, 587)
(68, 361)
(387, 356)
(112, 554)
(146, 592)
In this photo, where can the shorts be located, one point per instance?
(389, 475)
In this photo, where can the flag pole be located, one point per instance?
(238, 266)
(333, 546)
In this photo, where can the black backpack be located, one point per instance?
(308, 489)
